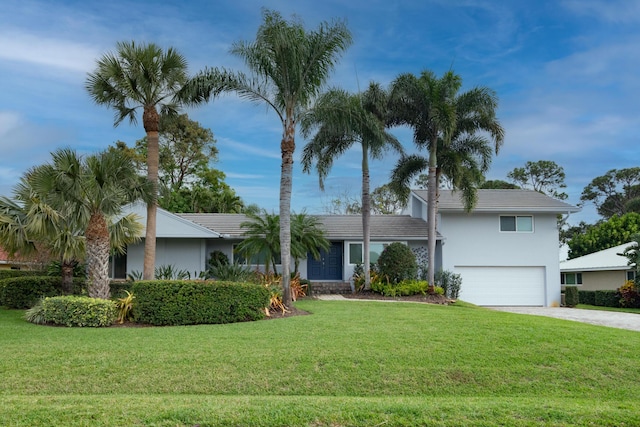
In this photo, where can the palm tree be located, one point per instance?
(307, 236)
(262, 233)
(88, 193)
(288, 65)
(342, 120)
(142, 76)
(435, 111)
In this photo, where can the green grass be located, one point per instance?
(350, 363)
(601, 308)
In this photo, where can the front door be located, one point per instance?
(329, 266)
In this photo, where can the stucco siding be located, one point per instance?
(183, 254)
(602, 280)
(476, 240)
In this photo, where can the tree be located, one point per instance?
(262, 232)
(385, 201)
(289, 66)
(142, 76)
(632, 253)
(307, 236)
(543, 176)
(617, 230)
(615, 193)
(498, 184)
(435, 111)
(69, 207)
(342, 120)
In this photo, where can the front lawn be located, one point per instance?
(619, 309)
(350, 363)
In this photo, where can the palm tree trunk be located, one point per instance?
(151, 121)
(366, 217)
(66, 268)
(97, 245)
(431, 216)
(287, 147)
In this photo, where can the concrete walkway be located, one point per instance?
(630, 321)
(612, 319)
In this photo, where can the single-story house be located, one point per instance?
(506, 249)
(602, 270)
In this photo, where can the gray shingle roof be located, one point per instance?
(337, 227)
(502, 201)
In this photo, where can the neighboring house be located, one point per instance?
(8, 263)
(506, 249)
(598, 271)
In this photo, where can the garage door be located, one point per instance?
(506, 286)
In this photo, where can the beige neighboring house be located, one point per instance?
(598, 271)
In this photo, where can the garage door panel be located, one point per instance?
(507, 286)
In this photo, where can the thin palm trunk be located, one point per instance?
(366, 217)
(151, 121)
(288, 146)
(431, 214)
(66, 268)
(97, 246)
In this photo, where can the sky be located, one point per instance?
(565, 72)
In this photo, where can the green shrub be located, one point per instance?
(79, 311)
(450, 282)
(118, 288)
(398, 263)
(587, 297)
(197, 302)
(24, 292)
(571, 298)
(7, 274)
(404, 288)
(217, 258)
(607, 298)
(36, 314)
(230, 273)
(170, 272)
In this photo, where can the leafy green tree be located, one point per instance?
(498, 184)
(617, 230)
(262, 238)
(72, 207)
(543, 176)
(436, 112)
(342, 120)
(307, 236)
(385, 201)
(289, 66)
(142, 76)
(615, 193)
(632, 253)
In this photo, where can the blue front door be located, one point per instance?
(329, 266)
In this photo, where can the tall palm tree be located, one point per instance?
(343, 120)
(307, 236)
(435, 111)
(289, 66)
(142, 76)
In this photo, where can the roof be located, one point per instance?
(501, 201)
(169, 224)
(337, 227)
(607, 259)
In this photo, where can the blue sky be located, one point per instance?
(566, 73)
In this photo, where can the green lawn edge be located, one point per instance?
(316, 411)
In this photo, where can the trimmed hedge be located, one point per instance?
(571, 298)
(117, 288)
(404, 288)
(183, 302)
(7, 274)
(587, 297)
(608, 298)
(79, 311)
(24, 292)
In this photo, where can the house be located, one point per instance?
(506, 249)
(598, 271)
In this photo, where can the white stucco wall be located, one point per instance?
(475, 240)
(183, 254)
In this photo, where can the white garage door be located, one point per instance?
(506, 286)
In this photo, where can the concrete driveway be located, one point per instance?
(612, 319)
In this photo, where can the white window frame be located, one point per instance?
(631, 275)
(516, 221)
(578, 278)
(385, 244)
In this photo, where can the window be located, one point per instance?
(631, 275)
(356, 253)
(571, 278)
(516, 224)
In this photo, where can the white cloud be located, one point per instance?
(615, 11)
